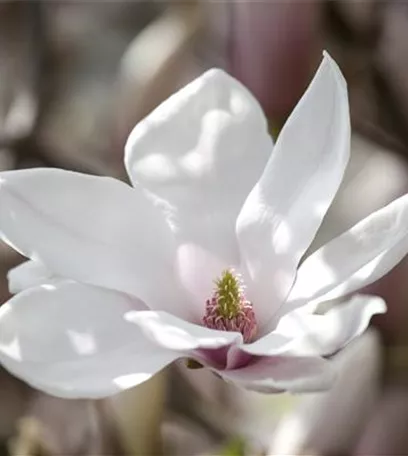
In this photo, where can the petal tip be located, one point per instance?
(334, 67)
(216, 77)
(215, 72)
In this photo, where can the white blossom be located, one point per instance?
(119, 277)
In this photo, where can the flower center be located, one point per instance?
(228, 309)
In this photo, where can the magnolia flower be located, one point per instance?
(201, 259)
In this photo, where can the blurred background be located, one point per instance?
(76, 76)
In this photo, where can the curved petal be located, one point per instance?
(29, 274)
(72, 340)
(321, 335)
(355, 259)
(91, 229)
(329, 423)
(198, 155)
(283, 373)
(173, 333)
(284, 210)
(328, 333)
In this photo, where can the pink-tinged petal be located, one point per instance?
(95, 230)
(330, 422)
(173, 333)
(29, 274)
(198, 155)
(323, 335)
(72, 340)
(197, 270)
(284, 210)
(355, 259)
(283, 373)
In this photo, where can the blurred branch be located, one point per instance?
(39, 92)
(378, 135)
(350, 34)
(29, 95)
(214, 421)
(357, 31)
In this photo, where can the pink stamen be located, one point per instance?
(243, 321)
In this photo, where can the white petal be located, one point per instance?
(355, 259)
(285, 373)
(29, 274)
(322, 335)
(330, 332)
(284, 210)
(198, 155)
(95, 230)
(174, 333)
(330, 422)
(72, 340)
(197, 270)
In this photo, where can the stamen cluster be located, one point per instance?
(228, 309)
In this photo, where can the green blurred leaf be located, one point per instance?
(235, 447)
